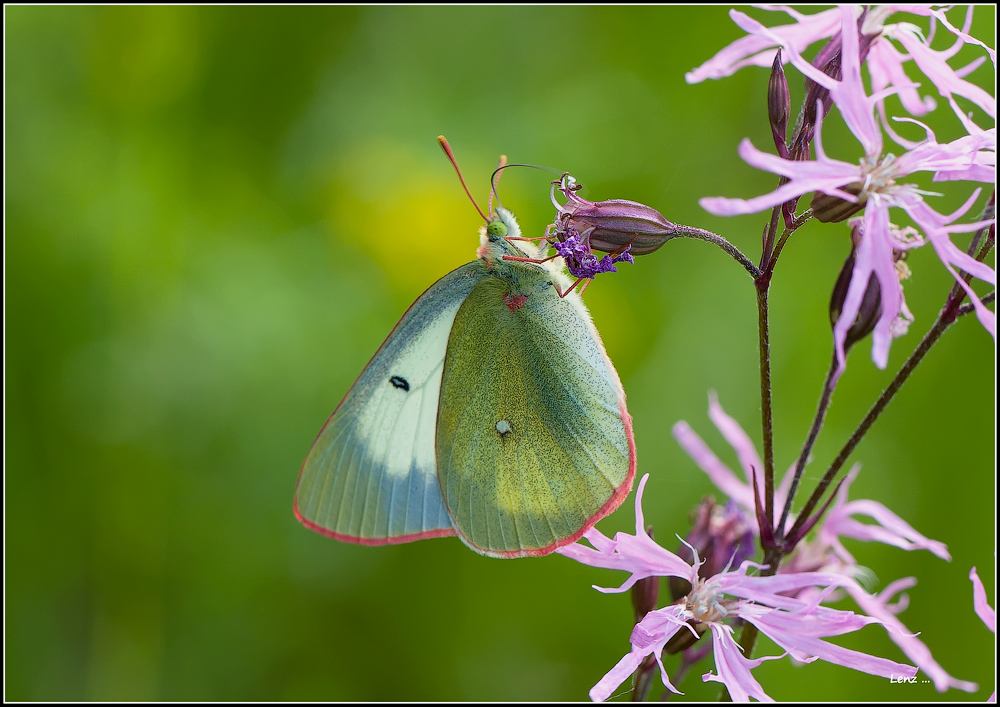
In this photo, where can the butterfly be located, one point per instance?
(491, 412)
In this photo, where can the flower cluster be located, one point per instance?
(714, 586)
(874, 183)
(825, 552)
(797, 625)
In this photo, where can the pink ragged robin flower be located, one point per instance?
(885, 62)
(875, 183)
(825, 552)
(796, 625)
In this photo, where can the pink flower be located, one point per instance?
(756, 50)
(885, 61)
(826, 553)
(983, 610)
(876, 178)
(981, 604)
(797, 626)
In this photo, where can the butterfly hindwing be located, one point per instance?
(371, 475)
(534, 442)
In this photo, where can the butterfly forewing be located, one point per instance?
(371, 475)
(534, 444)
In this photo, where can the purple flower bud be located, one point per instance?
(610, 226)
(779, 105)
(833, 209)
(722, 535)
(871, 304)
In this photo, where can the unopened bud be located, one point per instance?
(645, 592)
(870, 310)
(722, 536)
(610, 226)
(833, 209)
(779, 105)
(828, 60)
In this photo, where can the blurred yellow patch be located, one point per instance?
(407, 210)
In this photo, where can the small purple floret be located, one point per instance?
(581, 262)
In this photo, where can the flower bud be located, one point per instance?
(806, 125)
(779, 105)
(828, 60)
(871, 304)
(722, 536)
(832, 209)
(610, 226)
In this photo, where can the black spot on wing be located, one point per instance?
(401, 383)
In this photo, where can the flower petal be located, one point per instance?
(789, 635)
(754, 50)
(890, 528)
(637, 553)
(943, 76)
(981, 603)
(739, 440)
(913, 647)
(617, 675)
(734, 669)
(720, 474)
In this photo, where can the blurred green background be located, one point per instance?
(213, 218)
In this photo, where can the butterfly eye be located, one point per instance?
(497, 228)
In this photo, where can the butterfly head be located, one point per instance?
(494, 235)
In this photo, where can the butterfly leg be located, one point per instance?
(536, 261)
(621, 250)
(578, 281)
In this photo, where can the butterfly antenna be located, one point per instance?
(494, 180)
(451, 156)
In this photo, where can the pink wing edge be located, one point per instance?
(620, 494)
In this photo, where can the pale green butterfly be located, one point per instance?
(491, 412)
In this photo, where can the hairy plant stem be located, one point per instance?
(766, 423)
(769, 258)
(715, 239)
(762, 283)
(969, 308)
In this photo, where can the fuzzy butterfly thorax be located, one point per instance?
(526, 278)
